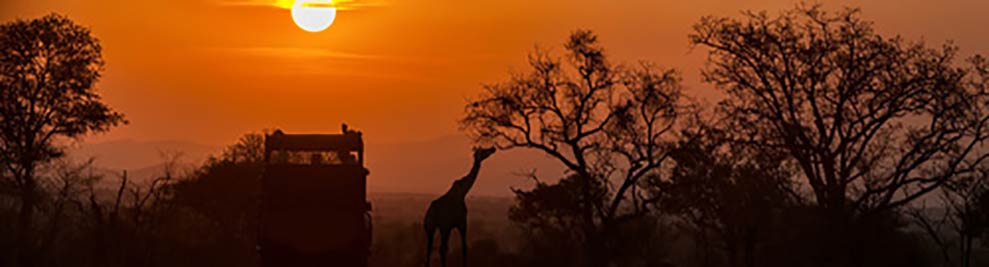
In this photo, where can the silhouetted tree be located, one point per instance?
(222, 197)
(730, 195)
(961, 217)
(548, 215)
(66, 183)
(48, 71)
(873, 122)
(609, 125)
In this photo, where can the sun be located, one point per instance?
(313, 15)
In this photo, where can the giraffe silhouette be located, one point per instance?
(449, 211)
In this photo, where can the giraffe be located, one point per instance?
(449, 211)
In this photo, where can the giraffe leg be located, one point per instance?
(430, 232)
(463, 241)
(444, 245)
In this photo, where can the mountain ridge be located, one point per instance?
(424, 167)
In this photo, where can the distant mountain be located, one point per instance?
(127, 154)
(427, 167)
(143, 161)
(431, 167)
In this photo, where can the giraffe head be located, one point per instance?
(483, 153)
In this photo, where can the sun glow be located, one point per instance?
(286, 4)
(313, 15)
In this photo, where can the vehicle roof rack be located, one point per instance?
(348, 140)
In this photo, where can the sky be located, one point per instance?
(401, 70)
(208, 71)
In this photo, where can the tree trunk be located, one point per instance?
(593, 242)
(967, 250)
(731, 251)
(24, 239)
(748, 251)
(54, 227)
(595, 252)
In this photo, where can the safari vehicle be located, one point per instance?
(314, 210)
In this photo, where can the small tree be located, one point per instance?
(609, 126)
(732, 194)
(222, 196)
(960, 219)
(548, 215)
(48, 72)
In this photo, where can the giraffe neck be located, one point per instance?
(462, 187)
(472, 175)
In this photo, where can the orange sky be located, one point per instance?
(400, 70)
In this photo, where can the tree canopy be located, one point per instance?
(872, 121)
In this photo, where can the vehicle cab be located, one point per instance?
(314, 208)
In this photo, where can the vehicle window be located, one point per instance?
(314, 157)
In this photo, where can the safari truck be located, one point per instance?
(314, 210)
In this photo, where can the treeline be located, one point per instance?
(834, 146)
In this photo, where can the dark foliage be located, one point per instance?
(730, 196)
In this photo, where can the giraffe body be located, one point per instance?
(449, 211)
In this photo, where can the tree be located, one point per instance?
(873, 122)
(549, 218)
(548, 214)
(48, 72)
(609, 125)
(68, 181)
(222, 197)
(732, 194)
(960, 219)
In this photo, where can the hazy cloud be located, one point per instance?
(300, 53)
(342, 5)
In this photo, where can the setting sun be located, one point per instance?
(313, 15)
(489, 133)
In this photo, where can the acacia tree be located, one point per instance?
(48, 72)
(873, 122)
(609, 125)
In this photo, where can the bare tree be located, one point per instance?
(609, 125)
(48, 70)
(873, 122)
(126, 223)
(960, 219)
(65, 182)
